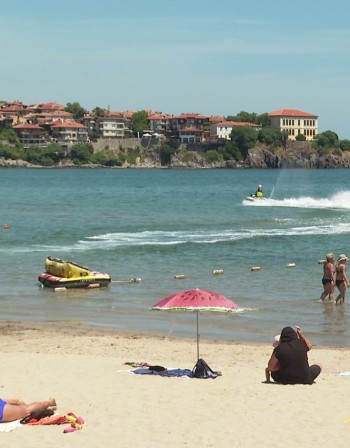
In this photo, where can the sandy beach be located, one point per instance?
(85, 370)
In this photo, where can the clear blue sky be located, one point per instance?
(173, 56)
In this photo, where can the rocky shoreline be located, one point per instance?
(295, 155)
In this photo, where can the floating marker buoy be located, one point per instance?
(6, 226)
(291, 265)
(218, 271)
(255, 268)
(135, 280)
(179, 276)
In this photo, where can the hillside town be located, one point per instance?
(51, 134)
(43, 123)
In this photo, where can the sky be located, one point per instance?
(174, 56)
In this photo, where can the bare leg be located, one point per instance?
(323, 295)
(342, 289)
(17, 411)
(328, 290)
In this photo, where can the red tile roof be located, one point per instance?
(155, 116)
(27, 126)
(13, 109)
(237, 123)
(66, 124)
(290, 113)
(190, 115)
(216, 118)
(51, 106)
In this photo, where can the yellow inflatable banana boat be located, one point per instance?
(67, 274)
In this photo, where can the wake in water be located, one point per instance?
(110, 241)
(338, 201)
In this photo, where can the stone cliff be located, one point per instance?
(296, 155)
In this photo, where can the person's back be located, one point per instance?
(294, 366)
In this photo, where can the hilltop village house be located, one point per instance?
(223, 129)
(295, 122)
(41, 124)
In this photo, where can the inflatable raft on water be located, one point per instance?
(67, 274)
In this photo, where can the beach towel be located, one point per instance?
(10, 426)
(55, 419)
(165, 372)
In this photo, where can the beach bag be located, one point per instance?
(202, 370)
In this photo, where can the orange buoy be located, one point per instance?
(6, 226)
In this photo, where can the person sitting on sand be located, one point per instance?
(275, 344)
(341, 280)
(328, 278)
(291, 354)
(13, 409)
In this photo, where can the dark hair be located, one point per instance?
(288, 334)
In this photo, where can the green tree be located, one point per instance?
(327, 139)
(166, 152)
(99, 112)
(250, 117)
(81, 153)
(263, 119)
(106, 158)
(300, 138)
(140, 121)
(270, 136)
(244, 138)
(244, 116)
(48, 156)
(8, 134)
(213, 156)
(344, 145)
(76, 109)
(230, 151)
(12, 152)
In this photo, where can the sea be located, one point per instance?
(154, 225)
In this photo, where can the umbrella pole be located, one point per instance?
(197, 338)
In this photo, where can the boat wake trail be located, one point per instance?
(338, 201)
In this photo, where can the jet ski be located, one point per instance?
(253, 198)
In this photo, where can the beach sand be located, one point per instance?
(85, 370)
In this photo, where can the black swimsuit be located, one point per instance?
(338, 282)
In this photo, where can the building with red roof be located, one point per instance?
(31, 134)
(68, 132)
(295, 122)
(189, 127)
(224, 129)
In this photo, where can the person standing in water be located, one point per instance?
(328, 278)
(341, 280)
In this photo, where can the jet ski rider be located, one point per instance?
(259, 192)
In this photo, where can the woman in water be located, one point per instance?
(341, 280)
(328, 278)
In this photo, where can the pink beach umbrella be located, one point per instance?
(197, 300)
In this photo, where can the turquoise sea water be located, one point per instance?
(155, 224)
